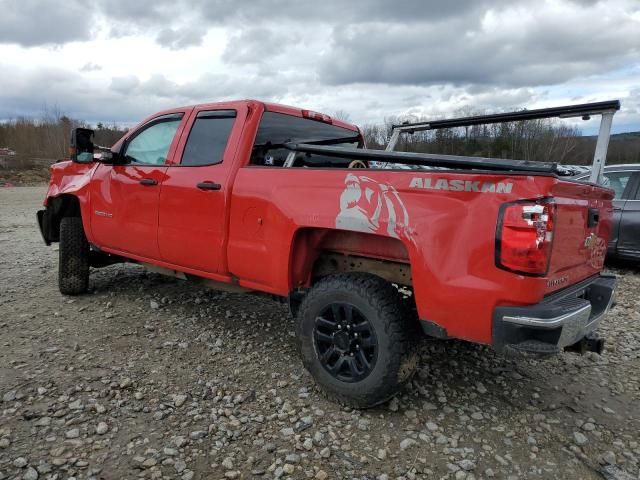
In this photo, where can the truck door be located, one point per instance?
(629, 233)
(196, 191)
(620, 183)
(124, 198)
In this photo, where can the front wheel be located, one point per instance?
(73, 261)
(357, 339)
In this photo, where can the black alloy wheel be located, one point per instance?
(356, 338)
(345, 342)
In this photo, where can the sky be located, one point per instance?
(122, 60)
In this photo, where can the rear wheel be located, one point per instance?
(357, 339)
(73, 262)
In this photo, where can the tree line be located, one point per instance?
(542, 140)
(47, 138)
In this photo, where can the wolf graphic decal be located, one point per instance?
(598, 253)
(369, 206)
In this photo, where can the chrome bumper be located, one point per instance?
(560, 320)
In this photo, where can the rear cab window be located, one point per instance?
(276, 129)
(208, 138)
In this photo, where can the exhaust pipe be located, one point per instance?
(589, 343)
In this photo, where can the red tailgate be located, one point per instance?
(581, 232)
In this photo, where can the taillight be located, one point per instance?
(524, 236)
(320, 117)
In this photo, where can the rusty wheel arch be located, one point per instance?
(316, 253)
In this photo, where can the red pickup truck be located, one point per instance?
(371, 248)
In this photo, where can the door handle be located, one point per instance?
(147, 182)
(209, 186)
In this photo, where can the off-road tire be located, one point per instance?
(73, 261)
(396, 330)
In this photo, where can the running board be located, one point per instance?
(205, 282)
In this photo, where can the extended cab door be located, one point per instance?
(196, 191)
(124, 198)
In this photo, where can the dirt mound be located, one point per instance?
(29, 177)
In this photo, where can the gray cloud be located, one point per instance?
(126, 84)
(30, 23)
(33, 22)
(91, 67)
(341, 12)
(258, 45)
(178, 39)
(464, 51)
(141, 11)
(128, 99)
(125, 98)
(629, 116)
(30, 93)
(201, 89)
(371, 58)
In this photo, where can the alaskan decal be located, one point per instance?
(429, 183)
(372, 207)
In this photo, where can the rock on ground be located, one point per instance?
(182, 382)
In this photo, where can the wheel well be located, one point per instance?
(317, 253)
(59, 207)
(329, 263)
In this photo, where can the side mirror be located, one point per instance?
(112, 157)
(81, 147)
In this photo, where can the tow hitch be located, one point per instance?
(590, 343)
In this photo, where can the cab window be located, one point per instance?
(278, 128)
(208, 138)
(151, 145)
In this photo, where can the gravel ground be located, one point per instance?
(151, 377)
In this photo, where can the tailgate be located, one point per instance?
(581, 232)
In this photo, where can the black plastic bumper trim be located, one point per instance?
(560, 320)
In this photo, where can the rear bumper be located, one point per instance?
(560, 320)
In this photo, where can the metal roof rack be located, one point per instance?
(605, 109)
(429, 159)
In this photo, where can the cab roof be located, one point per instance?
(268, 106)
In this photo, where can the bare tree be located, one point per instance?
(342, 115)
(544, 140)
(46, 139)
